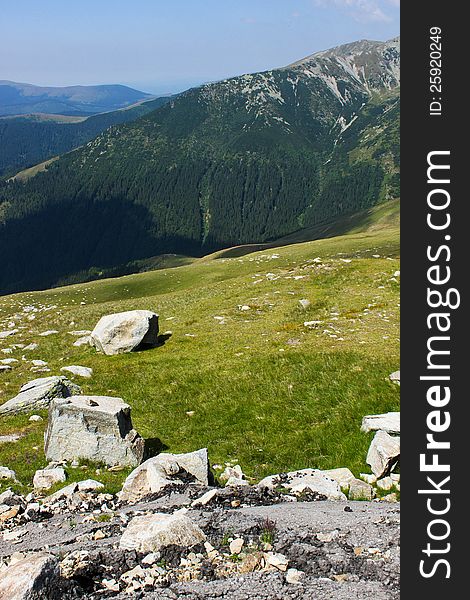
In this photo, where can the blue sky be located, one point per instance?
(166, 46)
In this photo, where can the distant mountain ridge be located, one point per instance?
(244, 160)
(25, 98)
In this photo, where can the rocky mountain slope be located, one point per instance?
(243, 160)
(24, 98)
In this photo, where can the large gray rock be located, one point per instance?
(151, 533)
(125, 332)
(156, 473)
(38, 394)
(384, 453)
(96, 428)
(306, 479)
(389, 422)
(33, 578)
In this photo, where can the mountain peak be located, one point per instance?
(373, 65)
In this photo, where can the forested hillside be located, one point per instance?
(27, 141)
(243, 160)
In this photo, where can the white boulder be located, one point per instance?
(45, 478)
(125, 332)
(151, 533)
(156, 473)
(384, 453)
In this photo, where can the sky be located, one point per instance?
(167, 46)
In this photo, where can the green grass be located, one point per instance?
(266, 391)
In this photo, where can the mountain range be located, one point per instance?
(24, 98)
(247, 159)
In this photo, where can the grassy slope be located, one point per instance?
(266, 391)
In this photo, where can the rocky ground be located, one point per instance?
(170, 532)
(253, 545)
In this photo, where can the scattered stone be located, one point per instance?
(368, 478)
(39, 363)
(306, 479)
(233, 476)
(31, 347)
(389, 422)
(236, 545)
(386, 483)
(342, 476)
(66, 492)
(278, 561)
(384, 453)
(78, 370)
(390, 498)
(327, 537)
(395, 377)
(80, 333)
(294, 576)
(151, 558)
(39, 393)
(304, 303)
(44, 479)
(235, 482)
(10, 438)
(125, 332)
(32, 578)
(89, 485)
(360, 490)
(251, 562)
(151, 533)
(156, 473)
(48, 333)
(83, 341)
(35, 418)
(8, 333)
(5, 368)
(6, 473)
(311, 324)
(96, 428)
(205, 498)
(8, 361)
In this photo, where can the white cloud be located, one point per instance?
(361, 10)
